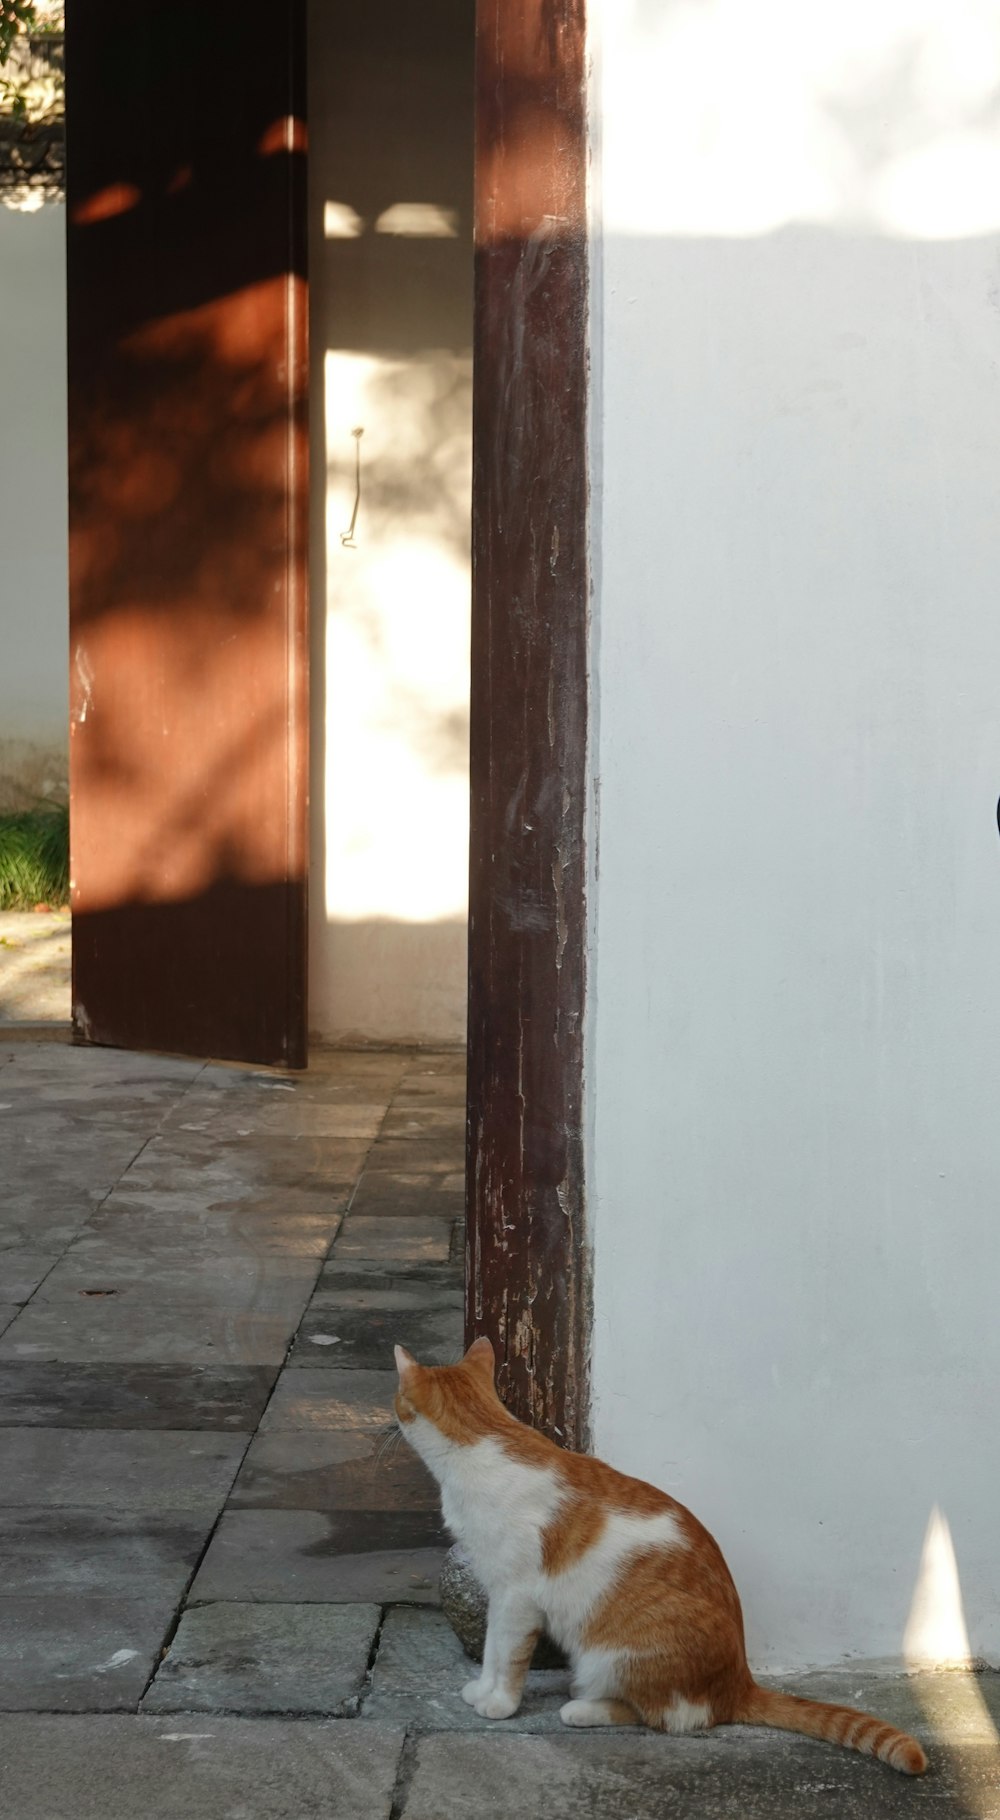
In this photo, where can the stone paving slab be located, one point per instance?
(389, 1292)
(406, 1121)
(120, 1768)
(436, 1154)
(364, 1338)
(306, 1555)
(266, 1659)
(193, 1162)
(405, 1240)
(7, 1312)
(134, 1396)
(332, 1471)
(23, 1268)
(97, 1551)
(117, 1470)
(341, 1273)
(637, 1776)
(268, 1283)
(145, 1330)
(399, 1195)
(79, 1654)
(156, 1224)
(319, 1398)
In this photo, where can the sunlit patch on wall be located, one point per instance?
(286, 134)
(422, 220)
(936, 1639)
(936, 1630)
(398, 638)
(341, 222)
(871, 119)
(104, 205)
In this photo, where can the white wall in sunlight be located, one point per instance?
(34, 598)
(391, 278)
(794, 1018)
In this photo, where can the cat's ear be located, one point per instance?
(481, 1355)
(405, 1361)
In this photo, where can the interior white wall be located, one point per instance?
(794, 1041)
(391, 330)
(34, 665)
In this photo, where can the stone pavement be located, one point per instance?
(217, 1585)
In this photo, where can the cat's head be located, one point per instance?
(458, 1401)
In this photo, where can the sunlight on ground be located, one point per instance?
(34, 966)
(937, 1637)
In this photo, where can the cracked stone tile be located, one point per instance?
(278, 1658)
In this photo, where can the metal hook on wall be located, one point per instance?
(347, 537)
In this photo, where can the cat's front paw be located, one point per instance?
(474, 1691)
(496, 1705)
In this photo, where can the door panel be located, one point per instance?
(188, 520)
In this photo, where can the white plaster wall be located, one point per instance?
(795, 971)
(34, 711)
(391, 329)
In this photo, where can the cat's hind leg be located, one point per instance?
(597, 1691)
(512, 1630)
(598, 1712)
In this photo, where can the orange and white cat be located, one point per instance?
(620, 1575)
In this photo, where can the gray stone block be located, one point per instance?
(97, 1551)
(307, 1555)
(331, 1470)
(129, 1328)
(364, 1338)
(254, 1658)
(318, 1397)
(135, 1396)
(610, 1775)
(201, 1769)
(118, 1470)
(401, 1240)
(79, 1654)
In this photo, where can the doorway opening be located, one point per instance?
(390, 177)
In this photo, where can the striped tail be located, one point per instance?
(837, 1724)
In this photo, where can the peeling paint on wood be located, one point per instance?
(526, 1255)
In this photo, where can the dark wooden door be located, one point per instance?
(188, 500)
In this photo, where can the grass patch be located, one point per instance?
(34, 858)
